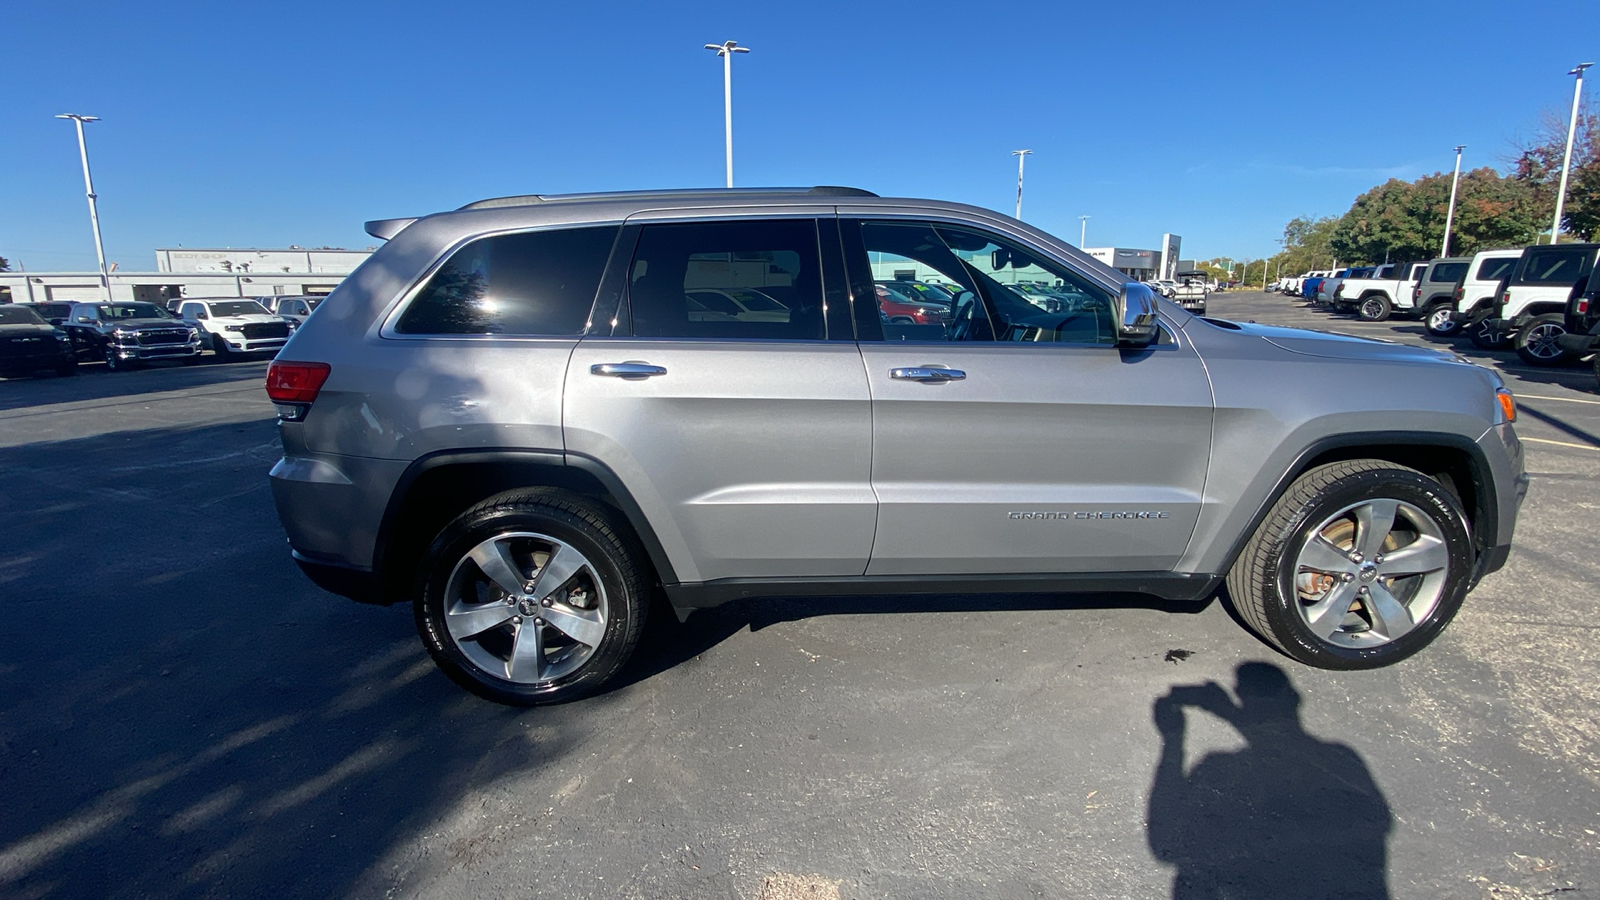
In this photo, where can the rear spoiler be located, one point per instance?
(384, 229)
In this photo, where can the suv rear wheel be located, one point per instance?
(1536, 341)
(1358, 565)
(1486, 338)
(532, 596)
(1441, 319)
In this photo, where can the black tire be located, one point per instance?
(1535, 342)
(1485, 338)
(1597, 371)
(1440, 320)
(1263, 582)
(591, 528)
(1374, 308)
(220, 348)
(115, 363)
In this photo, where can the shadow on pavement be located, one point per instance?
(93, 382)
(183, 714)
(1287, 816)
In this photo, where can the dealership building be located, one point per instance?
(196, 273)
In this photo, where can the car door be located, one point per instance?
(742, 429)
(1019, 439)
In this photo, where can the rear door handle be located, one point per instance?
(927, 374)
(631, 369)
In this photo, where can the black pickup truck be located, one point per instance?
(28, 343)
(128, 334)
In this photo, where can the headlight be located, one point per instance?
(233, 328)
(292, 324)
(194, 334)
(63, 338)
(120, 332)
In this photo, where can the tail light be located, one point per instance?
(1583, 305)
(295, 385)
(1460, 292)
(1416, 293)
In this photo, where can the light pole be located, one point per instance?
(726, 50)
(1450, 217)
(1083, 231)
(94, 210)
(1566, 161)
(1020, 155)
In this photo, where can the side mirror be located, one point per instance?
(1135, 311)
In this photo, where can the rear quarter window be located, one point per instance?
(1449, 272)
(1495, 269)
(532, 283)
(1555, 265)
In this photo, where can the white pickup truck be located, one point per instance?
(1390, 290)
(1192, 291)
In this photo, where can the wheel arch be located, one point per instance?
(1454, 461)
(439, 486)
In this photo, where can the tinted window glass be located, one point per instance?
(131, 311)
(1553, 266)
(539, 282)
(19, 315)
(750, 280)
(1451, 272)
(1496, 269)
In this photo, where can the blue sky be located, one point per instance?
(265, 125)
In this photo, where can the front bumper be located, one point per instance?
(239, 344)
(156, 351)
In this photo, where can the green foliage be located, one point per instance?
(5, 264)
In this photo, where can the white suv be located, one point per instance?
(234, 325)
(1475, 293)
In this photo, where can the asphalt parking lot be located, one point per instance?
(183, 714)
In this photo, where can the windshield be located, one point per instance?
(121, 311)
(239, 308)
(19, 315)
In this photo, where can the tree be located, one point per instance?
(5, 264)
(1537, 164)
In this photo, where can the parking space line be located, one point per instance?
(1559, 443)
(1562, 399)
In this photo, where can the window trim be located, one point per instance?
(397, 308)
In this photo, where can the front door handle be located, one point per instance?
(927, 374)
(631, 369)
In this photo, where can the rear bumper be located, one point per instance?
(1577, 343)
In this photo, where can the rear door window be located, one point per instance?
(532, 283)
(751, 280)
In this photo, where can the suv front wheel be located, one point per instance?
(1358, 565)
(532, 596)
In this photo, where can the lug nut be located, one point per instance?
(1347, 578)
(516, 620)
(539, 622)
(548, 601)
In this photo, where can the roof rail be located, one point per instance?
(670, 194)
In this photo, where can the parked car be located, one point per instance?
(126, 335)
(1166, 287)
(56, 312)
(233, 326)
(1191, 292)
(1583, 323)
(527, 472)
(1433, 299)
(1328, 290)
(1475, 294)
(1531, 306)
(28, 343)
(1312, 281)
(901, 308)
(1390, 289)
(295, 309)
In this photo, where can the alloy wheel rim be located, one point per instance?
(526, 607)
(1439, 320)
(1369, 573)
(1371, 309)
(1542, 340)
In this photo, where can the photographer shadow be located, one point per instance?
(1289, 815)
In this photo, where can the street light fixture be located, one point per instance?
(1566, 161)
(726, 50)
(1020, 155)
(94, 210)
(1083, 231)
(1450, 217)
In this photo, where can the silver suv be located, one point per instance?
(526, 415)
